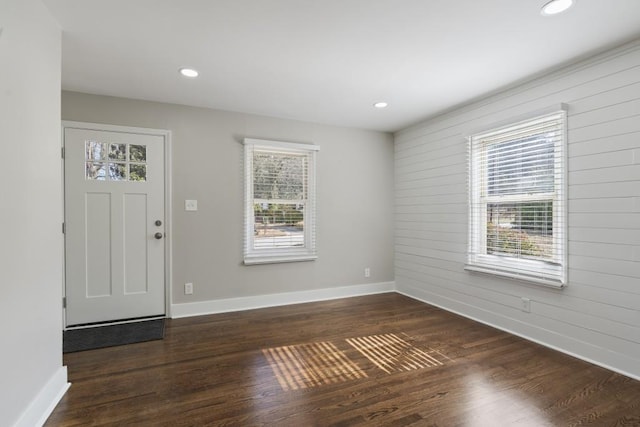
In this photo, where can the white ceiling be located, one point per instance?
(326, 61)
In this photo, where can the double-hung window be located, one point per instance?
(280, 202)
(517, 218)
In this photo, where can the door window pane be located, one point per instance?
(137, 172)
(117, 171)
(95, 150)
(95, 171)
(137, 153)
(118, 152)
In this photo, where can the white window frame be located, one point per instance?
(276, 255)
(547, 273)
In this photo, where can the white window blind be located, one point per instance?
(517, 219)
(280, 202)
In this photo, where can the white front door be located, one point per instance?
(114, 225)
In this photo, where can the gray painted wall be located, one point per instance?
(31, 214)
(355, 197)
(597, 316)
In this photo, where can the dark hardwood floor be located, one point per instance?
(381, 360)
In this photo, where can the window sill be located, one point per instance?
(530, 278)
(256, 260)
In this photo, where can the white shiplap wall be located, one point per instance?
(597, 316)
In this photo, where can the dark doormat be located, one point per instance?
(112, 335)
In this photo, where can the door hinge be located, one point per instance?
(64, 302)
(62, 152)
(64, 229)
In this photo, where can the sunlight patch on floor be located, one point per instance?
(311, 365)
(392, 353)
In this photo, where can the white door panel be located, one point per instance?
(114, 199)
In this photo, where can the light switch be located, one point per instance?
(190, 205)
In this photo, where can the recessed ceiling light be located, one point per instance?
(188, 72)
(556, 6)
(381, 104)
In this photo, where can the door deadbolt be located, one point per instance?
(158, 223)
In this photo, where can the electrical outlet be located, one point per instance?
(367, 272)
(188, 288)
(526, 305)
(190, 205)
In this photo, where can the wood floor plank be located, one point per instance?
(321, 364)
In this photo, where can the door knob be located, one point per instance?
(158, 235)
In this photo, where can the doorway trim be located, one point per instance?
(168, 249)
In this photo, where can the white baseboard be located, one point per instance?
(274, 300)
(521, 335)
(45, 402)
